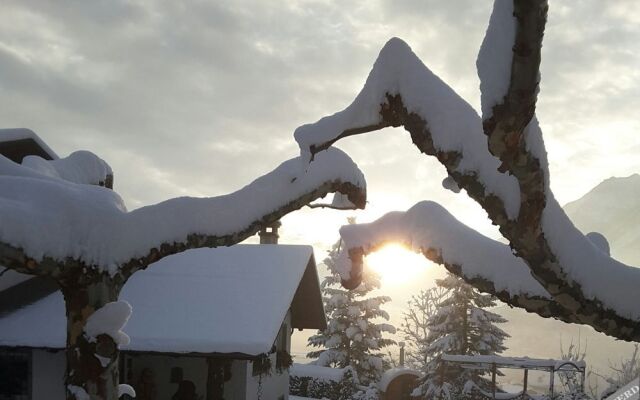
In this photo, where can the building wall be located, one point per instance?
(274, 386)
(47, 375)
(236, 388)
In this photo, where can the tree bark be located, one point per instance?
(92, 364)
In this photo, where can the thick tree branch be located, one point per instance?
(13, 258)
(524, 234)
(489, 266)
(89, 227)
(356, 196)
(515, 192)
(512, 133)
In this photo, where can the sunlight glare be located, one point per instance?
(397, 265)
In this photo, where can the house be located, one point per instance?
(210, 316)
(218, 318)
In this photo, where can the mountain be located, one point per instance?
(613, 209)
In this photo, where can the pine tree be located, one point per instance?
(462, 325)
(352, 338)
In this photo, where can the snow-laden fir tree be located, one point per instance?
(461, 325)
(354, 333)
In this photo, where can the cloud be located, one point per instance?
(201, 97)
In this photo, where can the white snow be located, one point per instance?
(49, 216)
(450, 184)
(104, 361)
(78, 392)
(326, 374)
(498, 396)
(428, 225)
(225, 300)
(126, 389)
(600, 241)
(109, 320)
(453, 123)
(495, 56)
(79, 167)
(342, 201)
(392, 374)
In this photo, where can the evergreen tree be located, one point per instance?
(461, 325)
(352, 337)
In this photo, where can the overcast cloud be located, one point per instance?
(200, 97)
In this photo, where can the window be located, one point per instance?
(15, 367)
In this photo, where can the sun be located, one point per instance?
(397, 265)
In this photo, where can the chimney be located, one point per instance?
(269, 233)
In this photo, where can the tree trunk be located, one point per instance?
(465, 331)
(92, 364)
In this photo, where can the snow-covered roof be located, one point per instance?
(392, 374)
(20, 142)
(516, 362)
(223, 300)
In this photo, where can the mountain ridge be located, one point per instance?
(612, 208)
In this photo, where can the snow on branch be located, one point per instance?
(499, 161)
(79, 167)
(401, 90)
(90, 226)
(109, 320)
(429, 229)
(126, 389)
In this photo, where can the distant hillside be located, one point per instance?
(613, 209)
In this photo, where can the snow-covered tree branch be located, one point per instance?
(90, 226)
(500, 161)
(55, 222)
(429, 229)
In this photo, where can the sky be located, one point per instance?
(198, 98)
